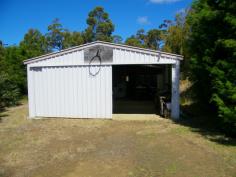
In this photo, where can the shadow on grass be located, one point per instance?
(204, 124)
(3, 113)
(200, 119)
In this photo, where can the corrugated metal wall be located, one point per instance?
(73, 58)
(70, 91)
(120, 57)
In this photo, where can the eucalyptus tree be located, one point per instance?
(55, 35)
(100, 26)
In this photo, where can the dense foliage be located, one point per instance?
(206, 33)
(9, 91)
(152, 39)
(100, 27)
(213, 50)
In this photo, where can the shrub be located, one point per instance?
(9, 93)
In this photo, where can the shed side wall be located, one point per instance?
(70, 91)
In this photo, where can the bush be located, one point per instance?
(9, 93)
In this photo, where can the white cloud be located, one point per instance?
(163, 1)
(143, 20)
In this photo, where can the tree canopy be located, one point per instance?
(152, 39)
(33, 44)
(100, 27)
(213, 50)
(55, 35)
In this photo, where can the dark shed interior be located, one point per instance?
(137, 88)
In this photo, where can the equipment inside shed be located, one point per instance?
(138, 89)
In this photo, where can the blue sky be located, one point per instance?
(17, 16)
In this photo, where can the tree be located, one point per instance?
(175, 34)
(117, 39)
(100, 27)
(2, 54)
(213, 49)
(141, 36)
(175, 38)
(77, 38)
(71, 39)
(55, 35)
(33, 44)
(14, 67)
(137, 40)
(133, 41)
(12, 75)
(9, 92)
(154, 39)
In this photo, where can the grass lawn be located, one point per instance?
(149, 147)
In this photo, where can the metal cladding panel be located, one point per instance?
(122, 56)
(73, 58)
(108, 55)
(70, 91)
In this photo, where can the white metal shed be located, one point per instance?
(77, 82)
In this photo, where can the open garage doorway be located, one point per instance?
(138, 89)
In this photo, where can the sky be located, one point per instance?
(18, 16)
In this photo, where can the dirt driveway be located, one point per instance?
(149, 147)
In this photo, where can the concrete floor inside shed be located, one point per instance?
(136, 110)
(134, 107)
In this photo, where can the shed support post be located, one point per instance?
(175, 108)
(31, 98)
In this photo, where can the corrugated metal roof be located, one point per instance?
(108, 44)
